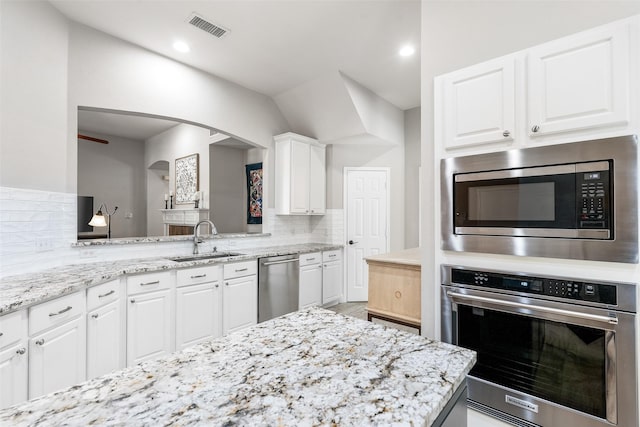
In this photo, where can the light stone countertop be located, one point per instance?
(407, 257)
(25, 290)
(311, 367)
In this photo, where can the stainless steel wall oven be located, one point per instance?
(552, 351)
(575, 200)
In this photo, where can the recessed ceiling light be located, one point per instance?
(181, 47)
(407, 51)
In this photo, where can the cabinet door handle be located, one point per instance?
(226, 283)
(199, 276)
(155, 282)
(241, 270)
(94, 316)
(217, 286)
(40, 341)
(333, 256)
(535, 128)
(351, 242)
(64, 310)
(111, 292)
(21, 350)
(132, 301)
(506, 133)
(1, 334)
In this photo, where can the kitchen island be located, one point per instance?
(311, 367)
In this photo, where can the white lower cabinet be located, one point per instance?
(57, 357)
(150, 316)
(106, 331)
(105, 340)
(149, 323)
(197, 314)
(57, 344)
(331, 276)
(14, 357)
(310, 280)
(239, 296)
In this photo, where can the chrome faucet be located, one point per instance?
(196, 239)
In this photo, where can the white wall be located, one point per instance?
(157, 187)
(411, 177)
(33, 105)
(458, 34)
(340, 156)
(45, 75)
(228, 190)
(180, 141)
(114, 174)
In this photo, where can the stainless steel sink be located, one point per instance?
(206, 256)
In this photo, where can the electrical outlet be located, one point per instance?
(44, 244)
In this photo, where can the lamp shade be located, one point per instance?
(98, 220)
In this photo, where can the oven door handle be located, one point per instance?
(557, 311)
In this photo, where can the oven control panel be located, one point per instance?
(555, 287)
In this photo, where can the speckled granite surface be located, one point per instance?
(33, 288)
(311, 367)
(156, 239)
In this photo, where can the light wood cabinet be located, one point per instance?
(300, 175)
(14, 356)
(394, 287)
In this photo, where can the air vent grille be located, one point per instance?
(213, 29)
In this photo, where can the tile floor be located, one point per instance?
(358, 310)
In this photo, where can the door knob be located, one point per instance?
(351, 242)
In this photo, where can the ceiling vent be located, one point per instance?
(213, 29)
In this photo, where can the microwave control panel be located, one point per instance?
(593, 199)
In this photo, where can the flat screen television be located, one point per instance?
(85, 213)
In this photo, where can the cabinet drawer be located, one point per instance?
(148, 282)
(13, 327)
(193, 276)
(312, 258)
(100, 295)
(334, 255)
(48, 314)
(240, 269)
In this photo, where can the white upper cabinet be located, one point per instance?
(579, 82)
(300, 172)
(479, 104)
(574, 88)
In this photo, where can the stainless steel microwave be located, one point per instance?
(575, 201)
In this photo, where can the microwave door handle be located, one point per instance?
(549, 310)
(516, 173)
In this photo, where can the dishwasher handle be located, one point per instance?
(284, 261)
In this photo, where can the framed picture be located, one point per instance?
(186, 179)
(254, 193)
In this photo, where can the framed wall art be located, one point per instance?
(254, 193)
(186, 178)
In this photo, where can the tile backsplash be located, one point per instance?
(37, 229)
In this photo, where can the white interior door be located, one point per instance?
(367, 222)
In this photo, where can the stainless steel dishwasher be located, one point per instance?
(277, 286)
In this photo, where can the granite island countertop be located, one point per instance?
(25, 290)
(311, 367)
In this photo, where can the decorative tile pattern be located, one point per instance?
(311, 367)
